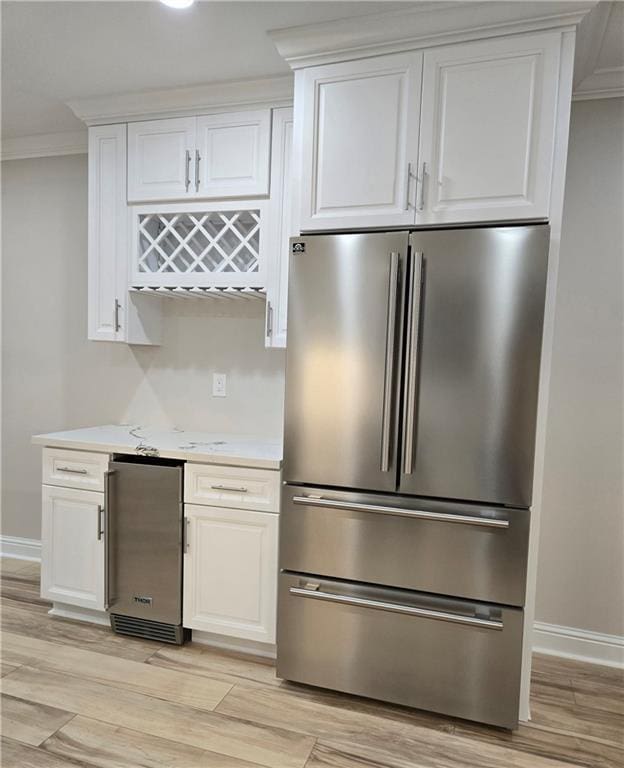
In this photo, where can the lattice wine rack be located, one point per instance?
(199, 251)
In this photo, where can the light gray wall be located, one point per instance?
(581, 561)
(53, 378)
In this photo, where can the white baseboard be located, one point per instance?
(578, 644)
(252, 647)
(20, 549)
(64, 611)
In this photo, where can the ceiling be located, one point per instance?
(53, 52)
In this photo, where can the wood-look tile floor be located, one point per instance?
(75, 694)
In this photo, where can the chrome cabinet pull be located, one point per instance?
(73, 471)
(187, 176)
(421, 188)
(197, 159)
(409, 610)
(117, 306)
(269, 319)
(413, 327)
(420, 514)
(187, 522)
(389, 370)
(234, 488)
(100, 514)
(407, 186)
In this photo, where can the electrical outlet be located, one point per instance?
(219, 381)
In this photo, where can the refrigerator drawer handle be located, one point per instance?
(389, 368)
(409, 610)
(233, 488)
(420, 514)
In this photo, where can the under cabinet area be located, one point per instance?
(210, 156)
(470, 140)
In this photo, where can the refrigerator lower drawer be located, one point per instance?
(454, 657)
(462, 550)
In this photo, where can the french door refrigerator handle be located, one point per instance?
(409, 610)
(420, 514)
(107, 539)
(389, 370)
(413, 322)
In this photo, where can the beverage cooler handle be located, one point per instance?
(107, 537)
(389, 370)
(413, 323)
(410, 610)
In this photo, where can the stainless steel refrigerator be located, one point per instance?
(411, 395)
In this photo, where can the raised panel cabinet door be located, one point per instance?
(281, 227)
(487, 133)
(232, 157)
(360, 142)
(72, 547)
(230, 572)
(161, 159)
(108, 232)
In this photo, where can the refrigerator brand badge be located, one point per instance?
(298, 247)
(142, 600)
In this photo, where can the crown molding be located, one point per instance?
(430, 23)
(589, 40)
(226, 95)
(605, 83)
(44, 145)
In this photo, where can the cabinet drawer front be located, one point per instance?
(457, 658)
(450, 549)
(232, 487)
(74, 469)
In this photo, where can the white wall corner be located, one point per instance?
(44, 145)
(19, 548)
(607, 83)
(578, 644)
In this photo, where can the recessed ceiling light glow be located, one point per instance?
(178, 3)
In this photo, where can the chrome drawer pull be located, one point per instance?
(233, 488)
(73, 471)
(420, 514)
(409, 610)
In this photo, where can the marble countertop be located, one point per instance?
(203, 447)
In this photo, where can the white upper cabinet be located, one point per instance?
(113, 314)
(281, 227)
(108, 235)
(232, 157)
(359, 142)
(487, 131)
(161, 154)
(214, 156)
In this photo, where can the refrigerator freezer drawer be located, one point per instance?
(454, 657)
(463, 550)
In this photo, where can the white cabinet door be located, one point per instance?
(72, 547)
(161, 156)
(108, 231)
(281, 227)
(487, 133)
(113, 313)
(359, 142)
(233, 154)
(230, 572)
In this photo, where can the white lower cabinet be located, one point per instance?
(72, 542)
(230, 572)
